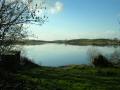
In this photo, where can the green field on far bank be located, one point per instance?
(73, 42)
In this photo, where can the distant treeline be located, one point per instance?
(30, 42)
(90, 41)
(73, 42)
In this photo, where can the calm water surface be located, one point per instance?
(60, 54)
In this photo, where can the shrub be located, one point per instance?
(10, 61)
(97, 59)
(101, 61)
(26, 62)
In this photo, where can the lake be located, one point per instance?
(59, 54)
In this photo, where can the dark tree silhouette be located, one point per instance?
(13, 14)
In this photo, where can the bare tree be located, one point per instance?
(13, 14)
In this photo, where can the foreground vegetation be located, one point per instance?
(74, 77)
(26, 75)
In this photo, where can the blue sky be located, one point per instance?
(69, 19)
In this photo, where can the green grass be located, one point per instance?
(70, 78)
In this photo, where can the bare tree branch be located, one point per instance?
(14, 13)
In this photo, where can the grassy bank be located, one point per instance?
(74, 77)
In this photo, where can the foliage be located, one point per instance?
(99, 60)
(13, 14)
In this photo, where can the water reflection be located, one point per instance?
(60, 54)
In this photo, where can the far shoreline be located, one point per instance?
(79, 42)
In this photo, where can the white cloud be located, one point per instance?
(56, 8)
(59, 6)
